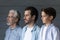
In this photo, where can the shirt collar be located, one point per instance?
(13, 28)
(34, 28)
(50, 24)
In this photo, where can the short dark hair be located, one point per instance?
(50, 11)
(34, 11)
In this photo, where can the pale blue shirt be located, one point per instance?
(52, 33)
(13, 34)
(34, 31)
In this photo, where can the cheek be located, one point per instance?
(44, 19)
(28, 18)
(10, 19)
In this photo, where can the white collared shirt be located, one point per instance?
(44, 33)
(28, 34)
(51, 33)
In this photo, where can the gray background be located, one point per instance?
(6, 5)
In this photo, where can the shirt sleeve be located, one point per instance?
(55, 35)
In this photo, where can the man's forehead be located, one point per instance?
(27, 11)
(11, 14)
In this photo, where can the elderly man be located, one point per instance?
(14, 30)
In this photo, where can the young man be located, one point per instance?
(31, 30)
(14, 30)
(48, 31)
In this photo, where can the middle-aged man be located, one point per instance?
(14, 31)
(31, 30)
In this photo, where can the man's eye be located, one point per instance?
(10, 17)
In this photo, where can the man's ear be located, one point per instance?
(16, 20)
(51, 17)
(33, 17)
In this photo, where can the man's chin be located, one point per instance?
(27, 22)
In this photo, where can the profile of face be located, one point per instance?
(27, 17)
(11, 19)
(46, 18)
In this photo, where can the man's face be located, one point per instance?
(45, 18)
(11, 19)
(27, 17)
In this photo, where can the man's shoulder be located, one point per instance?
(24, 27)
(19, 28)
(37, 27)
(54, 28)
(7, 30)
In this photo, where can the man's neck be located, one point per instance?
(47, 24)
(30, 25)
(13, 26)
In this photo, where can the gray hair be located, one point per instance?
(16, 14)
